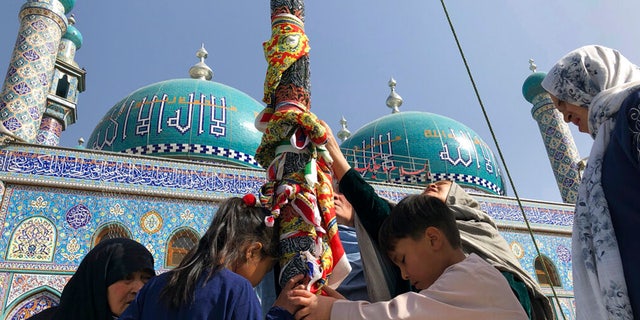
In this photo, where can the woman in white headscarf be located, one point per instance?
(598, 90)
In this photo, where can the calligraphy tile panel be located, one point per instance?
(120, 173)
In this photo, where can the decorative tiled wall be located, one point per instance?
(55, 200)
(52, 228)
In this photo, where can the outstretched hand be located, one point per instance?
(331, 140)
(340, 165)
(313, 306)
(283, 300)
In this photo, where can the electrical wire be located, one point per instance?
(495, 140)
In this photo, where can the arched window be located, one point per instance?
(179, 245)
(544, 265)
(110, 231)
(63, 87)
(33, 305)
(34, 239)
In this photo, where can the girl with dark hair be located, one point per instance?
(106, 281)
(216, 279)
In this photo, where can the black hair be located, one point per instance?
(412, 216)
(234, 225)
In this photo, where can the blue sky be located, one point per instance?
(356, 46)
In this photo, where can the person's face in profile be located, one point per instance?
(255, 268)
(253, 264)
(572, 113)
(420, 260)
(121, 293)
(439, 189)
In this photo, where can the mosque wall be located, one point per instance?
(56, 201)
(551, 225)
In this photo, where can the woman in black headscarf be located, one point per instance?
(106, 281)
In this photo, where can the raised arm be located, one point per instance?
(340, 165)
(370, 208)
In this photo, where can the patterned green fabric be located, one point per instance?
(520, 290)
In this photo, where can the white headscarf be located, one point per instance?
(597, 78)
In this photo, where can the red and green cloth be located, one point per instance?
(299, 189)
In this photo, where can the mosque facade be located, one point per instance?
(162, 158)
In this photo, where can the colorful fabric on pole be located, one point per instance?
(299, 189)
(281, 124)
(287, 44)
(299, 193)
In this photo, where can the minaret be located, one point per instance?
(23, 98)
(67, 82)
(557, 138)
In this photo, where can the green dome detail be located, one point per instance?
(68, 5)
(183, 118)
(532, 86)
(421, 147)
(74, 35)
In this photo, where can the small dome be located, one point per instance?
(533, 86)
(183, 118)
(74, 35)
(420, 147)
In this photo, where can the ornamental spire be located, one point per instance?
(201, 70)
(532, 66)
(344, 133)
(394, 100)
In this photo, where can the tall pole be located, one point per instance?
(299, 189)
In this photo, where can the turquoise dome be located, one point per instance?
(68, 5)
(420, 147)
(532, 86)
(74, 35)
(183, 118)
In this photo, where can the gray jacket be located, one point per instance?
(480, 235)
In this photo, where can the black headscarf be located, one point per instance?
(85, 295)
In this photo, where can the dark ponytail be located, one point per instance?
(235, 224)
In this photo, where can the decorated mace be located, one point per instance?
(299, 190)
